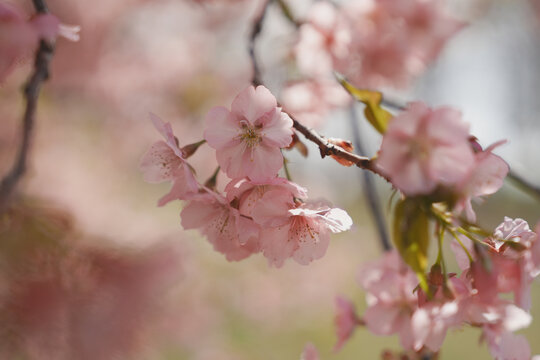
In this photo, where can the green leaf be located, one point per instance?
(411, 237)
(376, 115)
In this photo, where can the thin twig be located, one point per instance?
(31, 93)
(255, 31)
(523, 184)
(325, 148)
(368, 189)
(328, 149)
(286, 11)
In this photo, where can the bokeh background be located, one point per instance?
(91, 268)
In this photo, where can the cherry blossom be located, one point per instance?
(248, 138)
(230, 233)
(324, 39)
(20, 36)
(485, 178)
(310, 101)
(390, 285)
(310, 353)
(248, 193)
(425, 148)
(298, 231)
(165, 161)
(345, 321)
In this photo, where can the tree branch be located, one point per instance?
(325, 148)
(368, 189)
(255, 31)
(31, 93)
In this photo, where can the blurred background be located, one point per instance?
(91, 268)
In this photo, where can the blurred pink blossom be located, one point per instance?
(345, 321)
(485, 178)
(309, 353)
(19, 36)
(424, 148)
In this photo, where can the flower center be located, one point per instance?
(250, 135)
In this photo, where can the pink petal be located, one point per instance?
(382, 319)
(312, 240)
(345, 321)
(309, 353)
(275, 244)
(159, 163)
(251, 104)
(165, 129)
(221, 128)
(273, 208)
(262, 162)
(278, 131)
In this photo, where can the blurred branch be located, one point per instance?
(369, 186)
(325, 148)
(286, 11)
(524, 185)
(31, 93)
(255, 31)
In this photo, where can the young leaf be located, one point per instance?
(411, 236)
(376, 115)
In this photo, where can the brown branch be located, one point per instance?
(369, 190)
(255, 31)
(328, 149)
(31, 93)
(524, 185)
(325, 148)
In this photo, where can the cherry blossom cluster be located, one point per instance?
(429, 152)
(505, 262)
(374, 43)
(258, 211)
(20, 35)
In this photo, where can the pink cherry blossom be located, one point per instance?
(431, 322)
(19, 37)
(230, 233)
(248, 193)
(485, 178)
(425, 148)
(310, 353)
(298, 231)
(324, 39)
(502, 343)
(394, 41)
(248, 138)
(390, 286)
(345, 321)
(311, 101)
(164, 161)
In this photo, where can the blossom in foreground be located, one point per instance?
(301, 231)
(248, 138)
(425, 148)
(248, 193)
(20, 36)
(164, 161)
(230, 233)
